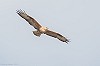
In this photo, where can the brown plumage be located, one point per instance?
(40, 29)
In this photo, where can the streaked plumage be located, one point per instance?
(40, 29)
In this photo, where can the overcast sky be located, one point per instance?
(78, 20)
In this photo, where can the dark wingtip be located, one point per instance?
(67, 41)
(20, 11)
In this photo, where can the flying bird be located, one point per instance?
(39, 28)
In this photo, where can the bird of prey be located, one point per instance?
(40, 29)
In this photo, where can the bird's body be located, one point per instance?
(43, 29)
(40, 29)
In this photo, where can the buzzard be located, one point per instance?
(40, 29)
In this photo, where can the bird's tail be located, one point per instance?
(37, 33)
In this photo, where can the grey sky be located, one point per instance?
(79, 20)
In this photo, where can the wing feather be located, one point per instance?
(29, 19)
(56, 35)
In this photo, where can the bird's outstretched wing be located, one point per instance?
(29, 19)
(56, 35)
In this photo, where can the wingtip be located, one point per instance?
(18, 11)
(66, 42)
